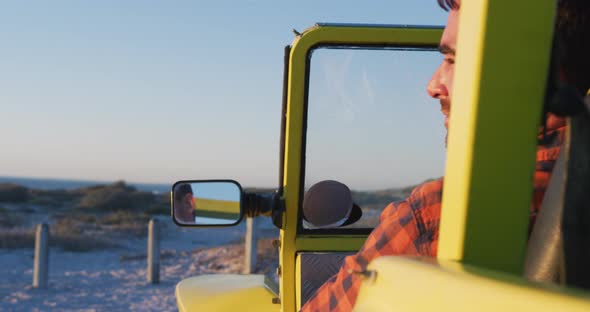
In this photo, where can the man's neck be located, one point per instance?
(185, 217)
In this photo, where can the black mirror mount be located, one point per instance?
(264, 204)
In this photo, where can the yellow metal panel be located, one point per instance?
(501, 68)
(330, 243)
(222, 292)
(298, 283)
(296, 94)
(403, 284)
(215, 208)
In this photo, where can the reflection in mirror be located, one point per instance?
(372, 126)
(207, 203)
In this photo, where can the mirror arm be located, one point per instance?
(264, 204)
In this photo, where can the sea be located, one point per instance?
(55, 184)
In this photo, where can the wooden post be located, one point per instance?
(41, 262)
(153, 253)
(251, 246)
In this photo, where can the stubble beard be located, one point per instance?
(445, 108)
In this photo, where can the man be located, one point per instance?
(184, 204)
(410, 227)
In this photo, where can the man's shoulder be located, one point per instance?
(425, 200)
(427, 189)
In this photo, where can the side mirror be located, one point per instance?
(207, 203)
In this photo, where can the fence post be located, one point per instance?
(41, 262)
(153, 253)
(251, 246)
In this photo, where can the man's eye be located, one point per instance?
(450, 60)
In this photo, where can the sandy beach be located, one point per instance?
(115, 279)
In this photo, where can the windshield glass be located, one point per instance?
(372, 126)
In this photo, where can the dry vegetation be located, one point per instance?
(95, 217)
(83, 219)
(59, 238)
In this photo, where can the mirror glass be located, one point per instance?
(206, 202)
(372, 126)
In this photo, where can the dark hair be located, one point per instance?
(572, 30)
(182, 190)
(448, 4)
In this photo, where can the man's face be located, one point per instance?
(184, 208)
(189, 203)
(441, 83)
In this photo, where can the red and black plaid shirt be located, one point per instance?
(410, 227)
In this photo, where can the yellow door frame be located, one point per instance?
(502, 63)
(319, 35)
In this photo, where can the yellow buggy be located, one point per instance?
(484, 251)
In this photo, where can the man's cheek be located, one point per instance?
(451, 81)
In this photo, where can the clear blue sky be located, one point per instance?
(157, 91)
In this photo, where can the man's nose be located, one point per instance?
(436, 87)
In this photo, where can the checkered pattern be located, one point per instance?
(410, 227)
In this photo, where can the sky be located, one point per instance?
(371, 125)
(160, 91)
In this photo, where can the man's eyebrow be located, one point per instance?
(445, 49)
